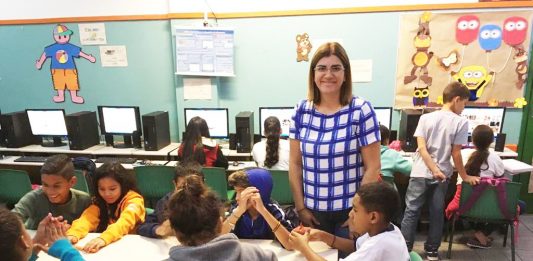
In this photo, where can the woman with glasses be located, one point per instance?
(334, 143)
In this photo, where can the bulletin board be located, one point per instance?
(488, 52)
(204, 51)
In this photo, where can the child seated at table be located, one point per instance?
(116, 210)
(391, 160)
(253, 215)
(485, 164)
(195, 214)
(56, 195)
(374, 206)
(17, 245)
(157, 224)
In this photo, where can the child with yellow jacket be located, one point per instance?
(116, 210)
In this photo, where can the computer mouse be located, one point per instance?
(235, 163)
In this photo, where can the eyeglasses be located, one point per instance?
(333, 69)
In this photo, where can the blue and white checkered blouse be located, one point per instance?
(331, 151)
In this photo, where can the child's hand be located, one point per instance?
(94, 245)
(244, 199)
(301, 229)
(299, 241)
(164, 230)
(472, 180)
(438, 175)
(72, 239)
(257, 203)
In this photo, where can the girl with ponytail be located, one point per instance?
(274, 152)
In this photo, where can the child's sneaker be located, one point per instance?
(432, 255)
(474, 243)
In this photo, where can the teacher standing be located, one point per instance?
(334, 142)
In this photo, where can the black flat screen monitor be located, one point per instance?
(216, 118)
(119, 120)
(384, 116)
(48, 123)
(491, 116)
(283, 114)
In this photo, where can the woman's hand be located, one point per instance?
(94, 245)
(307, 217)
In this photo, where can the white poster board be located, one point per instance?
(204, 51)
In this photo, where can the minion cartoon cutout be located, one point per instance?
(475, 78)
(303, 47)
(62, 66)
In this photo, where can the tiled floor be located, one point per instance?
(524, 247)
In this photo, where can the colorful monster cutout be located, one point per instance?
(490, 37)
(466, 29)
(303, 47)
(421, 96)
(475, 78)
(515, 30)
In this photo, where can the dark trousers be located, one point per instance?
(331, 221)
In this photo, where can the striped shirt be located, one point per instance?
(331, 151)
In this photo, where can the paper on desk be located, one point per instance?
(361, 70)
(197, 88)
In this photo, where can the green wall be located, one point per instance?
(267, 73)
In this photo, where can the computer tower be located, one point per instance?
(244, 126)
(499, 145)
(156, 130)
(408, 122)
(232, 141)
(82, 129)
(16, 130)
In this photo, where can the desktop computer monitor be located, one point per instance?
(490, 116)
(121, 120)
(283, 114)
(48, 123)
(384, 115)
(216, 118)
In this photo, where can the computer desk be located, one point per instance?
(135, 247)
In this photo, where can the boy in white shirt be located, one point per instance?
(374, 206)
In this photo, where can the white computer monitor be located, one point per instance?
(119, 120)
(283, 114)
(384, 115)
(47, 122)
(490, 116)
(216, 118)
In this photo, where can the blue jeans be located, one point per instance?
(418, 191)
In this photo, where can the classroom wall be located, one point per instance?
(267, 73)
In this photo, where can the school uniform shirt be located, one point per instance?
(385, 246)
(393, 162)
(441, 130)
(332, 163)
(259, 154)
(130, 212)
(492, 168)
(34, 206)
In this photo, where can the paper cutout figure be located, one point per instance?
(422, 56)
(303, 47)
(520, 102)
(514, 30)
(446, 62)
(421, 96)
(475, 78)
(466, 29)
(493, 102)
(490, 37)
(62, 66)
(521, 66)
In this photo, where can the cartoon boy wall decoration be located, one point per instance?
(62, 66)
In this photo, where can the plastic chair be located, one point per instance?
(281, 191)
(154, 182)
(414, 256)
(14, 185)
(81, 183)
(216, 179)
(486, 209)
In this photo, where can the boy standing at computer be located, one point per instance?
(56, 195)
(439, 135)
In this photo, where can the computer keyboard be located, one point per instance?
(120, 160)
(31, 159)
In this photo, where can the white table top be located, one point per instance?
(514, 167)
(53, 150)
(135, 247)
(162, 152)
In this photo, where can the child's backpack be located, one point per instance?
(89, 168)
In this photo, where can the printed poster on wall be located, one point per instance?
(113, 56)
(204, 51)
(487, 52)
(92, 34)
